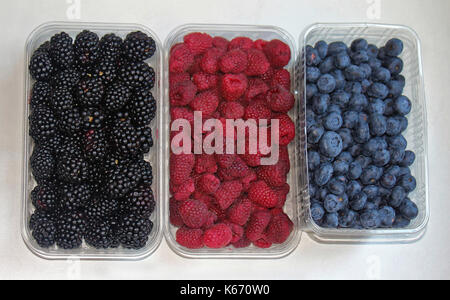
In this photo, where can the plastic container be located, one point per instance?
(37, 37)
(416, 133)
(292, 205)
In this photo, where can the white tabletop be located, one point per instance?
(427, 258)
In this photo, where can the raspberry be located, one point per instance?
(218, 236)
(190, 238)
(232, 110)
(280, 100)
(183, 192)
(209, 184)
(252, 160)
(279, 229)
(209, 63)
(175, 78)
(234, 62)
(220, 43)
(206, 102)
(258, 110)
(205, 81)
(274, 176)
(248, 180)
(261, 194)
(260, 44)
(182, 113)
(243, 43)
(238, 169)
(282, 193)
(181, 59)
(240, 212)
(237, 231)
(234, 86)
(268, 76)
(278, 53)
(198, 42)
(227, 194)
(256, 87)
(282, 77)
(226, 160)
(257, 225)
(183, 93)
(175, 217)
(181, 167)
(205, 164)
(257, 63)
(287, 129)
(284, 158)
(194, 213)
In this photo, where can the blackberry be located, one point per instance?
(92, 118)
(117, 96)
(43, 124)
(90, 92)
(52, 144)
(41, 67)
(145, 139)
(73, 169)
(143, 108)
(67, 79)
(134, 231)
(74, 196)
(146, 173)
(100, 235)
(70, 121)
(70, 230)
(42, 164)
(137, 75)
(62, 100)
(122, 180)
(61, 50)
(40, 94)
(86, 47)
(70, 146)
(138, 46)
(45, 198)
(125, 139)
(45, 234)
(44, 48)
(40, 216)
(110, 47)
(95, 145)
(140, 201)
(101, 207)
(106, 71)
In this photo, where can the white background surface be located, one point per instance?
(429, 258)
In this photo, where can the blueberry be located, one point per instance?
(327, 65)
(336, 187)
(389, 111)
(378, 90)
(397, 156)
(353, 188)
(322, 49)
(355, 171)
(381, 158)
(351, 119)
(372, 50)
(410, 158)
(340, 79)
(394, 65)
(370, 219)
(401, 222)
(375, 63)
(312, 74)
(347, 138)
(315, 134)
(372, 192)
(317, 212)
(359, 57)
(378, 125)
(347, 218)
(313, 160)
(310, 119)
(393, 127)
(394, 47)
(409, 183)
(311, 91)
(354, 73)
(332, 220)
(333, 203)
(404, 171)
(400, 78)
(355, 150)
(312, 56)
(342, 60)
(337, 47)
(340, 98)
(326, 84)
(358, 102)
(359, 45)
(374, 145)
(393, 170)
(387, 216)
(395, 88)
(333, 122)
(324, 174)
(371, 175)
(382, 53)
(320, 104)
(398, 196)
(385, 193)
(359, 201)
(409, 210)
(403, 105)
(404, 122)
(362, 133)
(370, 206)
(312, 190)
(364, 161)
(346, 157)
(366, 69)
(398, 142)
(388, 180)
(353, 87)
(331, 144)
(333, 108)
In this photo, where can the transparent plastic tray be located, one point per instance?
(416, 134)
(292, 205)
(37, 37)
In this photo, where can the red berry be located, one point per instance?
(257, 225)
(274, 176)
(175, 78)
(278, 53)
(238, 168)
(205, 81)
(260, 44)
(210, 61)
(205, 164)
(279, 229)
(240, 212)
(234, 86)
(282, 193)
(181, 59)
(181, 167)
(261, 194)
(234, 62)
(182, 113)
(287, 129)
(280, 100)
(227, 194)
(258, 110)
(232, 110)
(198, 42)
(258, 64)
(175, 217)
(263, 243)
(194, 213)
(184, 191)
(282, 77)
(218, 236)
(206, 102)
(221, 43)
(182, 93)
(209, 184)
(256, 87)
(243, 43)
(190, 238)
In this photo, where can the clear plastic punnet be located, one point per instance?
(416, 133)
(292, 207)
(37, 37)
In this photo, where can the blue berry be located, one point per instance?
(326, 84)
(322, 49)
(382, 75)
(397, 156)
(312, 74)
(388, 180)
(364, 161)
(333, 203)
(336, 187)
(393, 127)
(378, 90)
(355, 150)
(394, 47)
(351, 119)
(315, 134)
(381, 158)
(370, 219)
(404, 171)
(376, 106)
(333, 122)
(353, 189)
(336, 48)
(346, 157)
(374, 145)
(398, 142)
(371, 175)
(327, 65)
(359, 57)
(313, 160)
(342, 60)
(387, 216)
(358, 102)
(404, 122)
(354, 73)
(353, 87)
(362, 133)
(409, 210)
(409, 183)
(340, 98)
(378, 125)
(375, 63)
(394, 170)
(359, 201)
(311, 91)
(401, 222)
(347, 218)
(372, 192)
(403, 105)
(355, 171)
(394, 65)
(347, 138)
(320, 104)
(331, 144)
(324, 174)
(340, 79)
(332, 220)
(372, 50)
(395, 88)
(359, 45)
(410, 158)
(317, 212)
(312, 56)
(398, 196)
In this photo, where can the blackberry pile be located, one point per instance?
(92, 107)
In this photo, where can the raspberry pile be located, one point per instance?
(91, 112)
(359, 166)
(223, 200)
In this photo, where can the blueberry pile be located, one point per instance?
(91, 111)
(359, 166)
